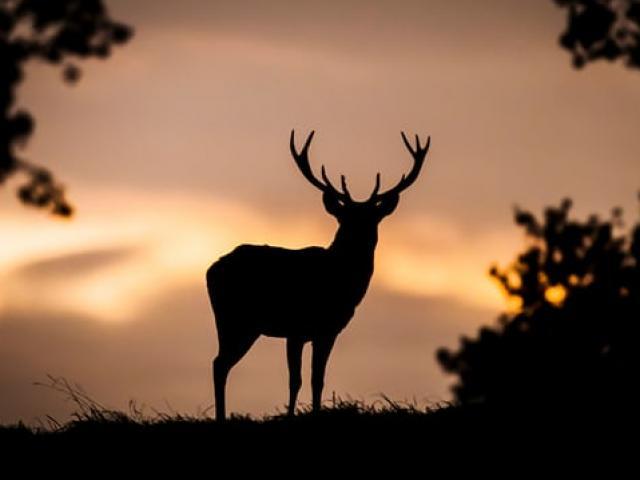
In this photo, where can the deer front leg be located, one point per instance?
(321, 350)
(294, 360)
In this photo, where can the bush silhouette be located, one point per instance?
(53, 32)
(573, 337)
(602, 29)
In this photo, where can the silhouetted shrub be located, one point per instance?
(53, 31)
(573, 337)
(602, 29)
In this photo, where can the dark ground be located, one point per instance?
(396, 439)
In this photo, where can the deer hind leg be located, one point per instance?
(231, 350)
(294, 361)
(321, 350)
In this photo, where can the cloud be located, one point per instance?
(204, 97)
(111, 260)
(128, 247)
(392, 27)
(74, 264)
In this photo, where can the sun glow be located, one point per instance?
(440, 261)
(176, 241)
(555, 294)
(178, 238)
(411, 273)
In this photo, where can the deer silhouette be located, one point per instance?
(305, 295)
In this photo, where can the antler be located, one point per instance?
(418, 154)
(302, 161)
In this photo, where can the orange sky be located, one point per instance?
(176, 149)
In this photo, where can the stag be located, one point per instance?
(305, 295)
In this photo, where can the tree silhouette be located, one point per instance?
(53, 31)
(574, 335)
(602, 29)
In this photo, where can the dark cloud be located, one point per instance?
(74, 264)
(342, 24)
(164, 356)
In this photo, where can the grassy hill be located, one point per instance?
(349, 433)
(397, 438)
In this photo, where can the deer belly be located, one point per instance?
(306, 325)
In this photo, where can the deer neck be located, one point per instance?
(354, 251)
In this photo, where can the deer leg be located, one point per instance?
(294, 361)
(220, 372)
(229, 354)
(321, 350)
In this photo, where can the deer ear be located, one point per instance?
(332, 204)
(387, 206)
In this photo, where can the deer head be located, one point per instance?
(359, 220)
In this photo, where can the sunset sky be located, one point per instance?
(175, 149)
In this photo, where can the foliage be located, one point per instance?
(53, 31)
(573, 339)
(602, 29)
